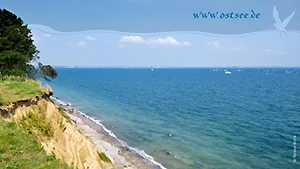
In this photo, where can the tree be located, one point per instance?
(13, 63)
(17, 50)
(42, 71)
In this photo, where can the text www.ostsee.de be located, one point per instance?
(231, 15)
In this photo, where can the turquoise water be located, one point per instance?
(202, 117)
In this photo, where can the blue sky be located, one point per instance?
(182, 49)
(148, 16)
(140, 33)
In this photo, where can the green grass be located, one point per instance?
(103, 157)
(20, 150)
(15, 90)
(35, 122)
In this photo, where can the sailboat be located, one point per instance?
(227, 72)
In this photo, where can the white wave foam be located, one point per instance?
(141, 153)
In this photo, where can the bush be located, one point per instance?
(13, 72)
(103, 157)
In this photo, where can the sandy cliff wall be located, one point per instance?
(56, 133)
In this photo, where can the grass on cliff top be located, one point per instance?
(19, 150)
(16, 88)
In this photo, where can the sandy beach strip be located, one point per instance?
(121, 156)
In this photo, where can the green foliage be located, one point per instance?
(35, 122)
(17, 50)
(13, 72)
(18, 88)
(24, 88)
(15, 36)
(13, 60)
(64, 114)
(41, 71)
(51, 157)
(47, 71)
(19, 150)
(103, 157)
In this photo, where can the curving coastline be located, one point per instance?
(122, 155)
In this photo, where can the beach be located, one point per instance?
(121, 155)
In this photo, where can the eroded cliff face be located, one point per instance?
(41, 118)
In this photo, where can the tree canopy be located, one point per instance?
(18, 54)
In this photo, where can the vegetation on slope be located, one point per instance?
(18, 143)
(35, 123)
(103, 157)
(64, 114)
(16, 88)
(19, 150)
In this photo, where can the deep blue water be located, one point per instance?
(240, 121)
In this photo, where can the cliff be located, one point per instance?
(54, 131)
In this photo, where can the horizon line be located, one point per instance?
(172, 67)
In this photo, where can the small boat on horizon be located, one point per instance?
(152, 70)
(227, 72)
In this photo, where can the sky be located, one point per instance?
(150, 16)
(155, 33)
(181, 49)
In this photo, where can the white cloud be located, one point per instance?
(164, 41)
(160, 41)
(214, 44)
(91, 38)
(132, 39)
(122, 46)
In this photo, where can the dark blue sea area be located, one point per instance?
(196, 118)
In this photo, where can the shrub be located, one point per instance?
(103, 157)
(13, 72)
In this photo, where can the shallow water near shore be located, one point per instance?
(194, 118)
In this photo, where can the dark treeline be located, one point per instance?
(18, 54)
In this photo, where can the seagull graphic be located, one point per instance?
(280, 26)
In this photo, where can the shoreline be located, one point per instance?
(119, 152)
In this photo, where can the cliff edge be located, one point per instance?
(54, 130)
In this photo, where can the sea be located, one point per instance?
(194, 118)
